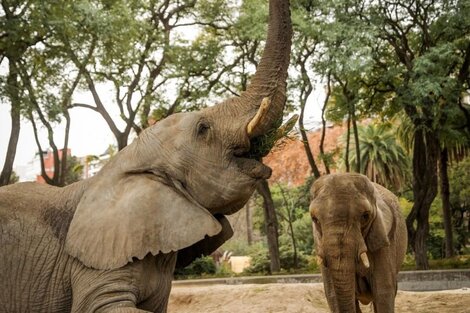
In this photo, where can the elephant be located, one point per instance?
(360, 241)
(111, 243)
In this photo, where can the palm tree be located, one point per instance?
(383, 159)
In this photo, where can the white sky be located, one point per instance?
(89, 134)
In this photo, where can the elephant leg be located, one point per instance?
(98, 291)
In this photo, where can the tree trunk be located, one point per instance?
(308, 151)
(425, 156)
(271, 225)
(348, 136)
(12, 144)
(249, 223)
(356, 139)
(63, 160)
(323, 122)
(445, 195)
(294, 242)
(12, 90)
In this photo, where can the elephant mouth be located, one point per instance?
(248, 162)
(253, 168)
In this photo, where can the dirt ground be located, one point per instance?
(299, 298)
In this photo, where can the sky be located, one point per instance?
(89, 134)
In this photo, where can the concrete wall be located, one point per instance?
(409, 280)
(434, 280)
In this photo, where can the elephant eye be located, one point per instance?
(314, 219)
(203, 128)
(365, 217)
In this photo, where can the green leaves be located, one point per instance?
(383, 160)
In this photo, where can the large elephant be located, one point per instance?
(360, 241)
(110, 243)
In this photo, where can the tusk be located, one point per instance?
(365, 260)
(260, 115)
(287, 127)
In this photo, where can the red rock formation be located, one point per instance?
(289, 161)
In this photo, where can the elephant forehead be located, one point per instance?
(339, 207)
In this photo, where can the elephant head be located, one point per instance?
(350, 223)
(172, 186)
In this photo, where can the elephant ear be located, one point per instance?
(377, 235)
(122, 218)
(205, 246)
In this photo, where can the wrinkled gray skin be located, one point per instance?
(352, 215)
(110, 243)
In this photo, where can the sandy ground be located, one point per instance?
(299, 298)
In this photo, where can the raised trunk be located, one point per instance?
(271, 73)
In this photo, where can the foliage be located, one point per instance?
(14, 178)
(74, 172)
(241, 247)
(459, 177)
(286, 255)
(259, 262)
(295, 227)
(199, 267)
(383, 160)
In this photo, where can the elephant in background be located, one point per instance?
(111, 243)
(360, 241)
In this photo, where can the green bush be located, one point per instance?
(286, 256)
(199, 267)
(260, 262)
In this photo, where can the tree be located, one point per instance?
(134, 46)
(384, 161)
(271, 223)
(301, 83)
(428, 38)
(73, 172)
(415, 59)
(21, 28)
(14, 178)
(459, 178)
